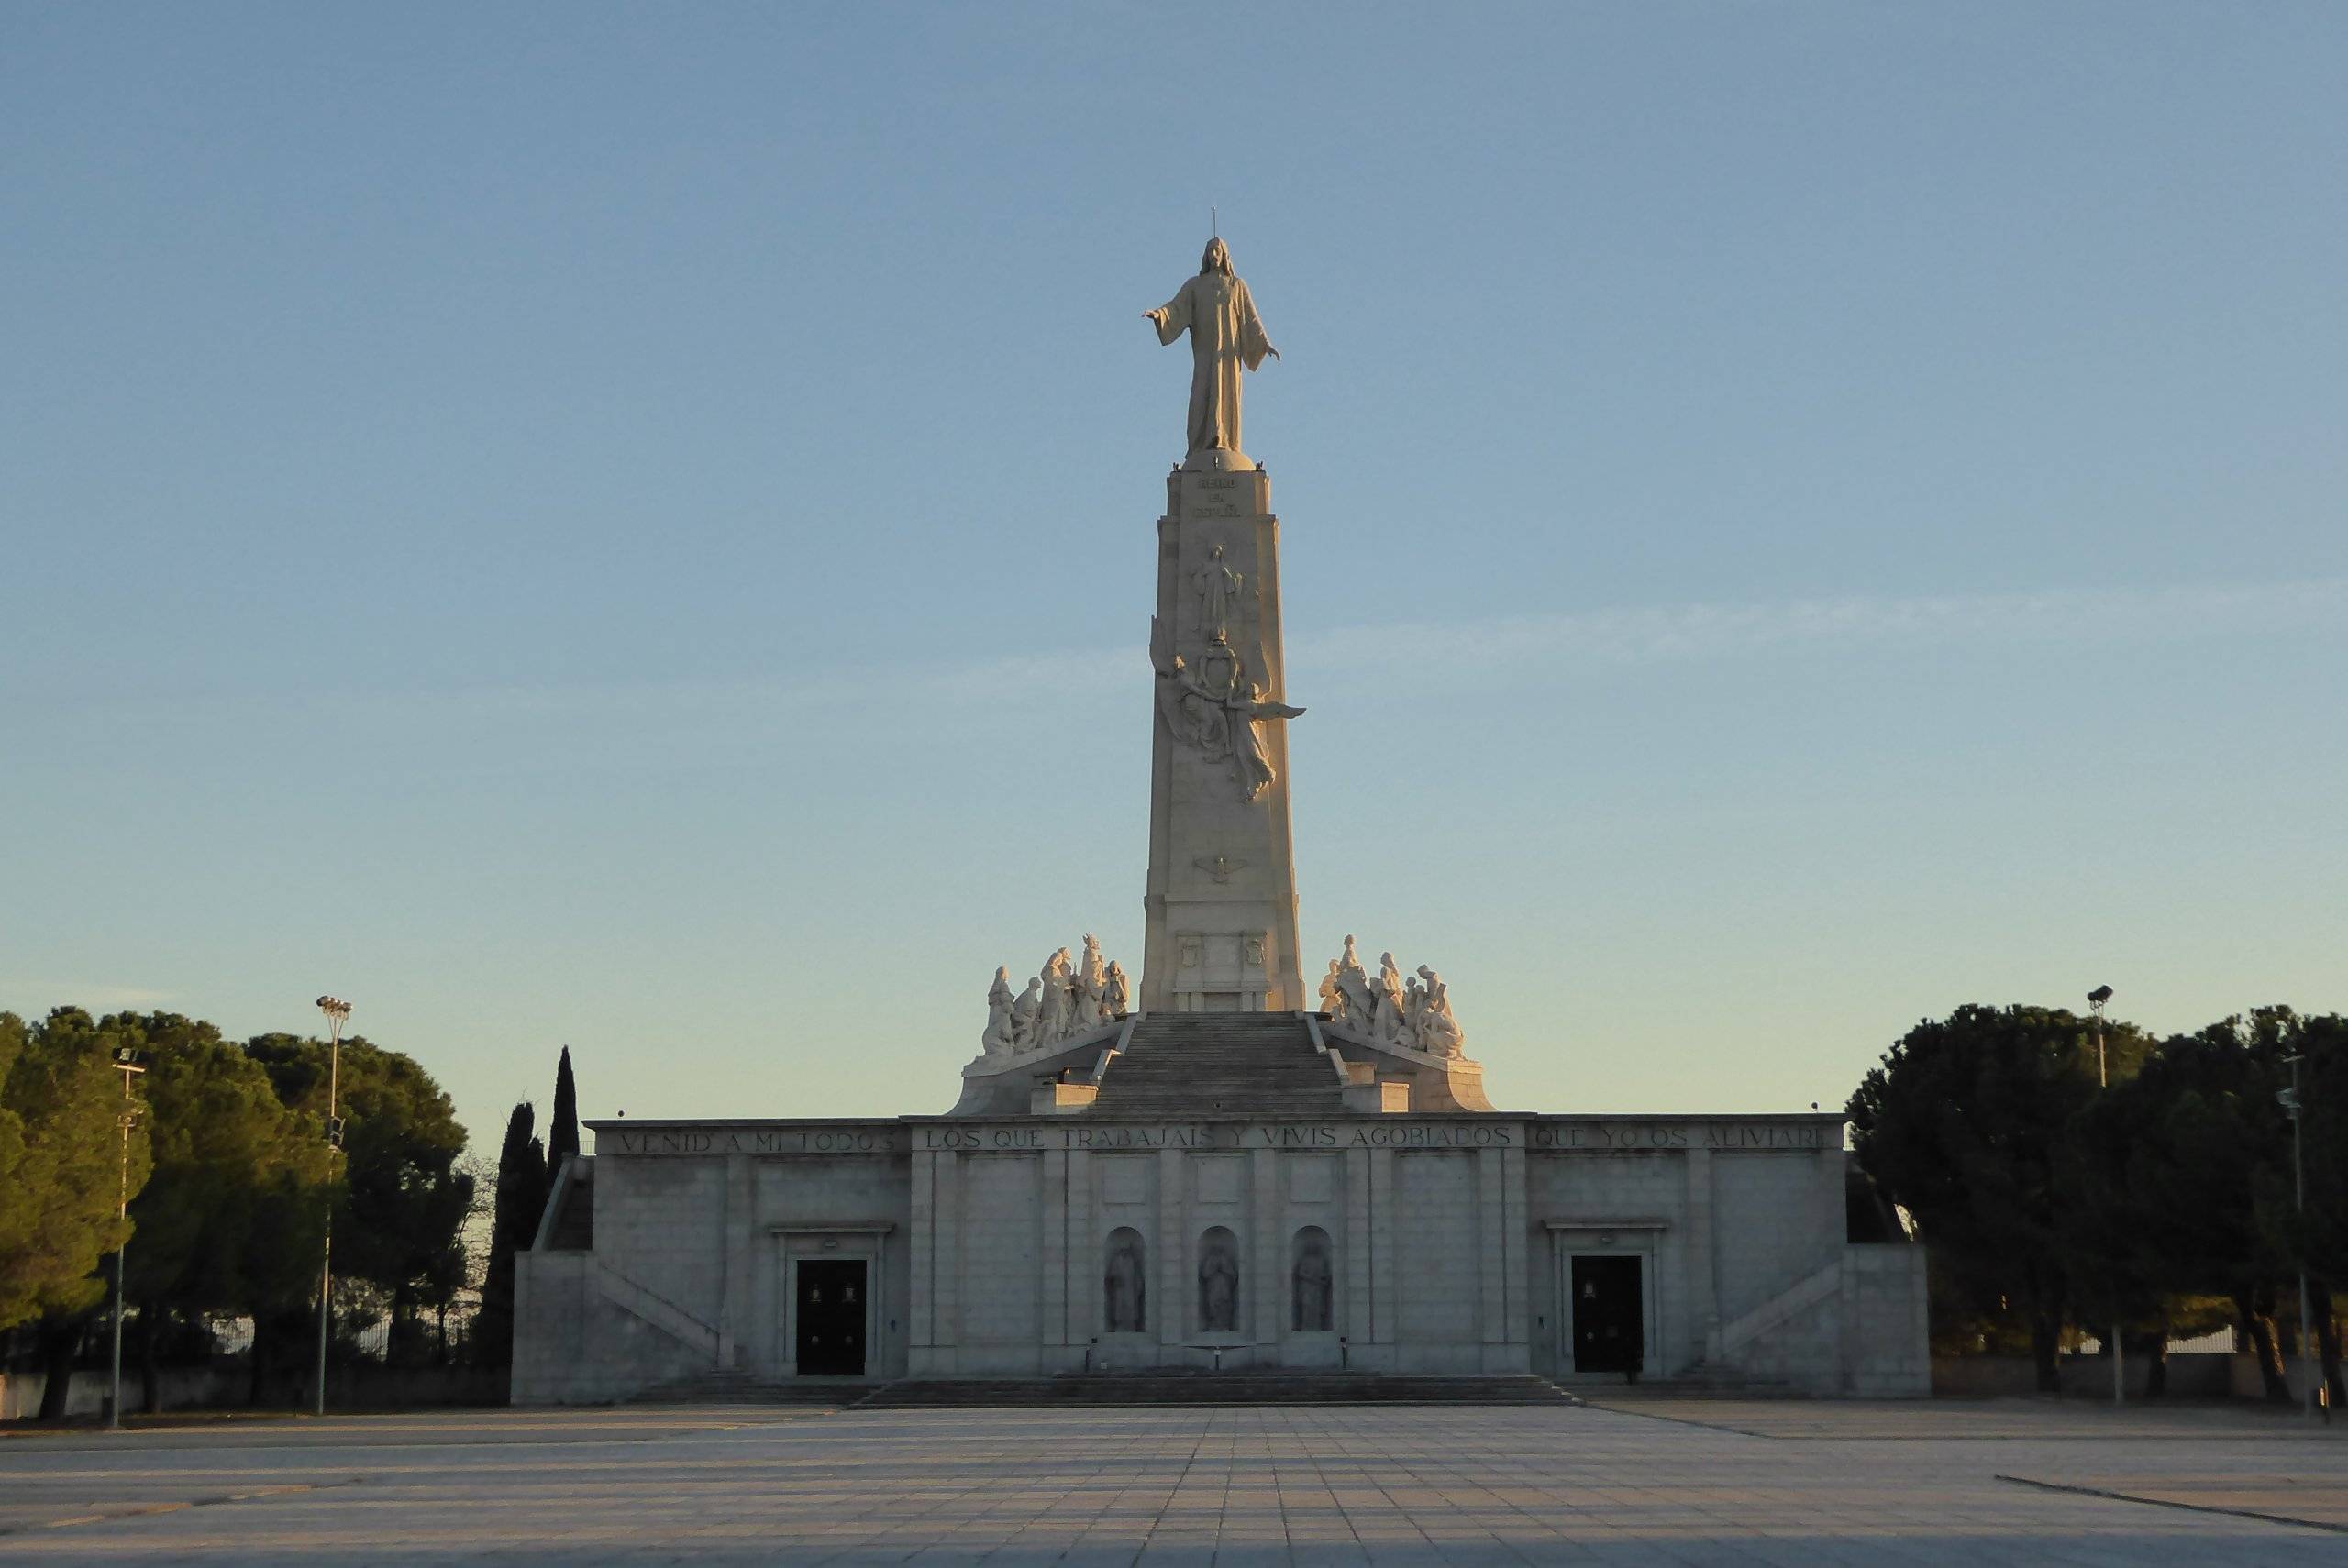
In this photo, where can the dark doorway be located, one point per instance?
(1609, 1315)
(831, 1317)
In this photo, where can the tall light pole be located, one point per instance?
(336, 1012)
(2290, 1099)
(2096, 998)
(127, 1063)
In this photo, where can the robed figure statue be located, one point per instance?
(1226, 337)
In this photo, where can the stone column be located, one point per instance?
(923, 1230)
(1052, 1236)
(1170, 1292)
(1220, 932)
(1523, 1256)
(1697, 1268)
(1270, 1226)
(945, 1323)
(733, 1284)
(1385, 1260)
(1083, 1316)
(1356, 1317)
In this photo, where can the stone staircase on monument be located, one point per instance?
(1182, 1064)
(1174, 1388)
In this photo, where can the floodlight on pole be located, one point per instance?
(2096, 998)
(125, 1062)
(338, 1012)
(2317, 1393)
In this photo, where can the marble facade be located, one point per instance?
(1056, 1243)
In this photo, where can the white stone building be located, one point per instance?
(1217, 1177)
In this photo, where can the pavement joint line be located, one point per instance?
(148, 1510)
(2173, 1503)
(1684, 1421)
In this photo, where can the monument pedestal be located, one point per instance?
(1221, 904)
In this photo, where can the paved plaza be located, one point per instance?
(1662, 1482)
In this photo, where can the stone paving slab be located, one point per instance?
(1840, 1484)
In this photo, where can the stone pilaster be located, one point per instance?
(1170, 1292)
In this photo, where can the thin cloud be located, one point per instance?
(690, 713)
(1694, 632)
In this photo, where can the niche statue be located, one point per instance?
(1123, 1294)
(1219, 1285)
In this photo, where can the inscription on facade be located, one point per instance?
(1261, 1135)
(1621, 1137)
(1597, 1137)
(752, 1140)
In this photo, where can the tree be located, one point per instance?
(2316, 1236)
(65, 1168)
(400, 1201)
(1961, 1126)
(224, 1148)
(2211, 1168)
(521, 1199)
(562, 1132)
(2125, 1265)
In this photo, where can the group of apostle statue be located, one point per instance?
(1073, 997)
(1414, 1013)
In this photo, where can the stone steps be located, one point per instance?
(1710, 1383)
(1204, 1064)
(1266, 1387)
(741, 1388)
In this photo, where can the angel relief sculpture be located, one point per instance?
(1215, 707)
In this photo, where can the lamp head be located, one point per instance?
(2098, 996)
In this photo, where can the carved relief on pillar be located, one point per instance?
(1215, 710)
(1224, 971)
(1219, 589)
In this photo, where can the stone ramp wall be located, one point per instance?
(1855, 1329)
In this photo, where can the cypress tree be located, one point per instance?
(514, 1224)
(562, 1132)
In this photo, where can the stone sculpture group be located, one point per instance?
(1413, 1013)
(1070, 997)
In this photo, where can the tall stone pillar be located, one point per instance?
(1221, 928)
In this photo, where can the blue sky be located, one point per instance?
(632, 526)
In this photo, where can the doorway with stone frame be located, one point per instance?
(819, 1337)
(1608, 1311)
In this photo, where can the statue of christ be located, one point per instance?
(1226, 337)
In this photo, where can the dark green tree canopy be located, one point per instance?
(1963, 1125)
(62, 1170)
